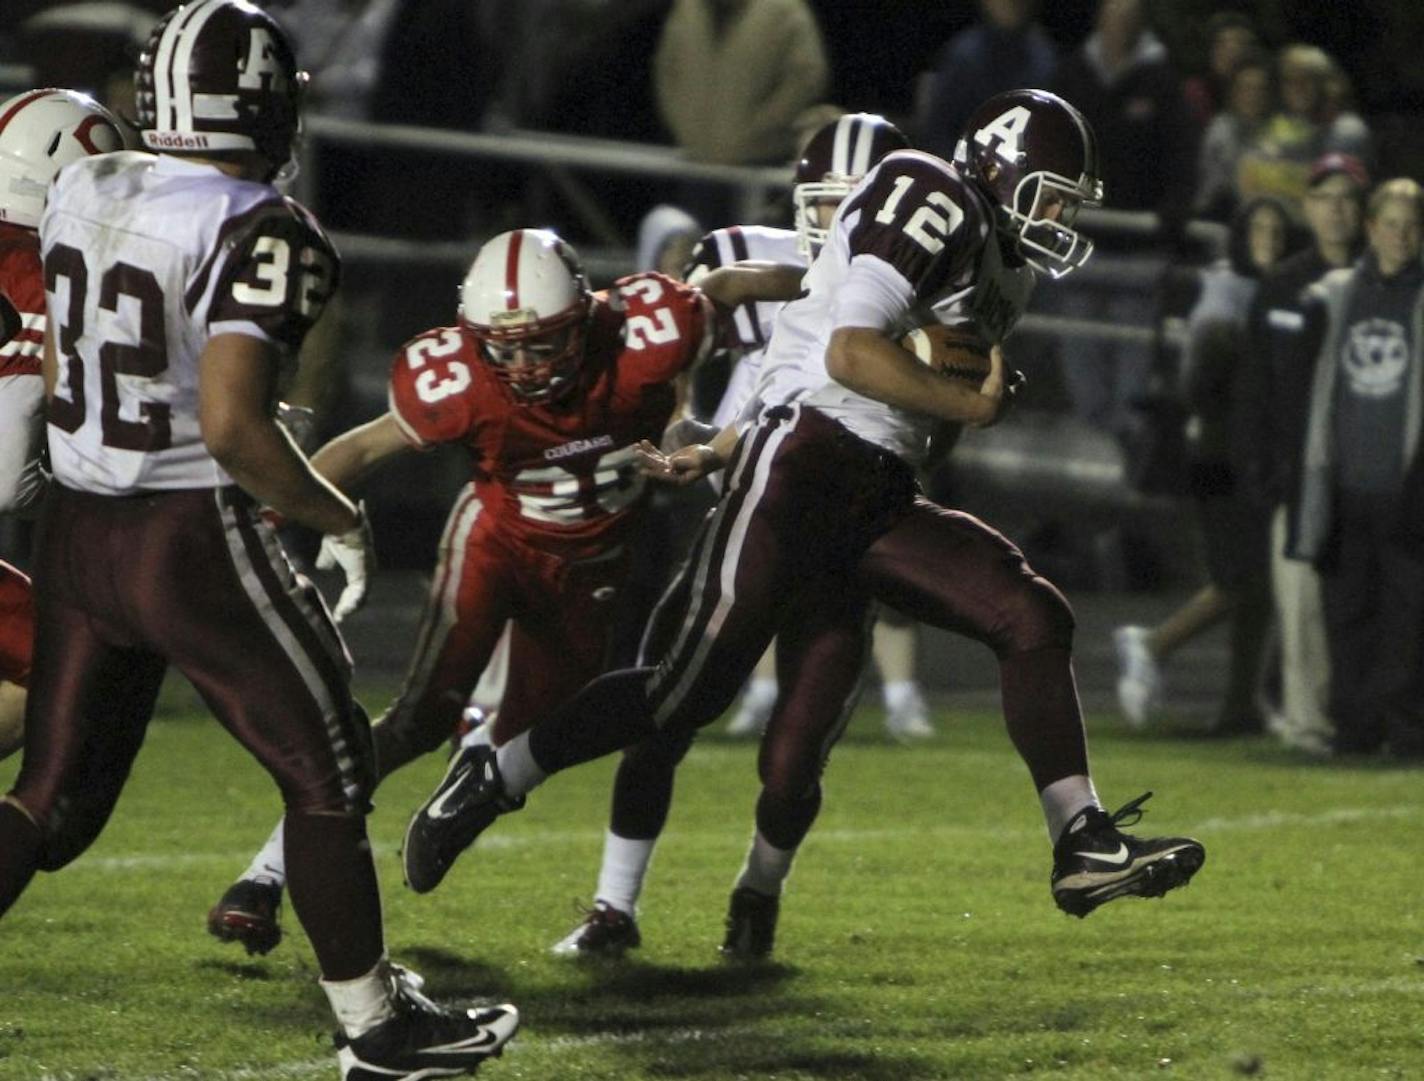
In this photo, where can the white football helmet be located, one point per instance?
(42, 131)
(526, 301)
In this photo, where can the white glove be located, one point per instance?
(355, 553)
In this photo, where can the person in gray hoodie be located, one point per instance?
(1360, 513)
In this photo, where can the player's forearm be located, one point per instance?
(346, 460)
(739, 283)
(867, 362)
(265, 464)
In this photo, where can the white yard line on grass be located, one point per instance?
(326, 1067)
(526, 838)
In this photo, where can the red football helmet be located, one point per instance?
(834, 161)
(526, 302)
(1035, 156)
(219, 75)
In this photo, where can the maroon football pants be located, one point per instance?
(809, 506)
(125, 586)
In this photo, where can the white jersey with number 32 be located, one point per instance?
(146, 258)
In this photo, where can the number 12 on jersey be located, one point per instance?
(930, 223)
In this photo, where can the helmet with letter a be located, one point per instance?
(833, 162)
(526, 302)
(1036, 158)
(42, 131)
(218, 77)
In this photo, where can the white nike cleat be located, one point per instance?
(1094, 861)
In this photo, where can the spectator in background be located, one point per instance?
(589, 76)
(732, 76)
(1309, 123)
(1235, 530)
(1360, 514)
(1271, 429)
(666, 237)
(1250, 101)
(1231, 37)
(1124, 84)
(1006, 49)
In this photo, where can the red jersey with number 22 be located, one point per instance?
(565, 470)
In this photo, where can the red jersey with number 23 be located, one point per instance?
(566, 470)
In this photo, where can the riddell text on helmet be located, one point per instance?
(175, 140)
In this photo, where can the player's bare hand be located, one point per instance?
(992, 389)
(684, 466)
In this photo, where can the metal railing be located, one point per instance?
(1092, 470)
(561, 153)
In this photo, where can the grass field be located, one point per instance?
(918, 939)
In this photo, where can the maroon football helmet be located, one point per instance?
(1035, 156)
(219, 75)
(834, 161)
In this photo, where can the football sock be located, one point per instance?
(900, 694)
(332, 883)
(270, 863)
(620, 878)
(481, 734)
(517, 767)
(1042, 714)
(362, 1003)
(1063, 799)
(760, 693)
(766, 867)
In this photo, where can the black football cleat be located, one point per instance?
(469, 797)
(424, 1040)
(604, 932)
(247, 913)
(1095, 862)
(751, 925)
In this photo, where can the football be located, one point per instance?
(959, 352)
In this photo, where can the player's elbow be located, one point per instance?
(846, 355)
(226, 434)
